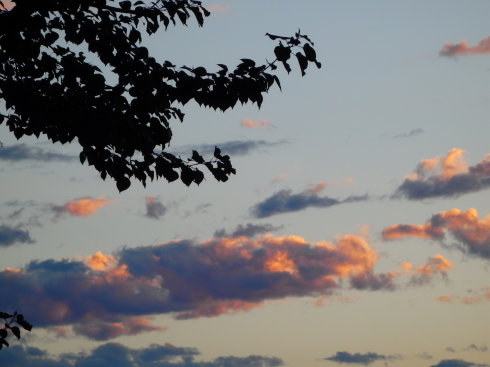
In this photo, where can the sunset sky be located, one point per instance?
(356, 231)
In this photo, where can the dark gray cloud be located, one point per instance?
(118, 355)
(12, 235)
(482, 348)
(22, 152)
(458, 363)
(247, 230)
(445, 177)
(155, 209)
(284, 201)
(410, 134)
(360, 358)
(234, 147)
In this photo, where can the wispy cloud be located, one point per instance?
(410, 134)
(360, 358)
(471, 233)
(217, 8)
(247, 230)
(21, 152)
(9, 236)
(462, 48)
(118, 355)
(186, 279)
(82, 207)
(250, 124)
(155, 209)
(447, 176)
(284, 201)
(105, 330)
(471, 299)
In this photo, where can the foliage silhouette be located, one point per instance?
(12, 323)
(50, 88)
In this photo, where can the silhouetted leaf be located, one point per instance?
(123, 183)
(16, 331)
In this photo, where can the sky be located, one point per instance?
(356, 231)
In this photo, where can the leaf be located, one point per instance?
(16, 331)
(3, 333)
(197, 157)
(303, 62)
(123, 183)
(309, 52)
(125, 5)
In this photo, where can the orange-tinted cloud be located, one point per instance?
(6, 4)
(435, 265)
(106, 296)
(250, 124)
(83, 207)
(462, 48)
(318, 187)
(445, 176)
(471, 232)
(472, 299)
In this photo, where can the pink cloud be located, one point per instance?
(83, 207)
(462, 48)
(216, 8)
(250, 124)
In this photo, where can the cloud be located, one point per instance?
(448, 176)
(216, 8)
(410, 134)
(424, 355)
(467, 300)
(185, 279)
(82, 207)
(21, 152)
(105, 330)
(284, 201)
(360, 358)
(458, 363)
(154, 208)
(250, 124)
(118, 355)
(461, 48)
(6, 4)
(436, 264)
(12, 235)
(471, 233)
(235, 147)
(482, 348)
(248, 230)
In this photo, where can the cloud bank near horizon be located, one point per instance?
(105, 296)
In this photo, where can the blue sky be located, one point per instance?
(355, 232)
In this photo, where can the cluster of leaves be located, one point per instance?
(12, 323)
(51, 88)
